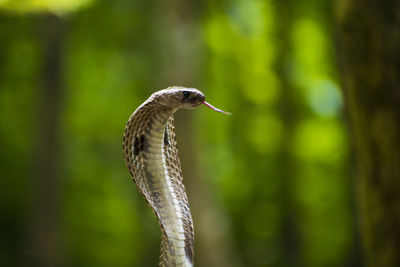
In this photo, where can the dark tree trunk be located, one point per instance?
(288, 109)
(46, 176)
(370, 57)
(180, 26)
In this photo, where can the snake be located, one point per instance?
(151, 156)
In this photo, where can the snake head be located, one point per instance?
(179, 97)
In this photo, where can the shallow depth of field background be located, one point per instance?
(270, 185)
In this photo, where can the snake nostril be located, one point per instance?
(199, 99)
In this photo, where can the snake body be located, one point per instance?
(151, 156)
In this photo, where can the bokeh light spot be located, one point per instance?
(320, 140)
(324, 98)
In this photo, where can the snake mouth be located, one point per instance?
(216, 109)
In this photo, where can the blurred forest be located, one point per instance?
(306, 172)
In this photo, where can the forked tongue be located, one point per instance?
(216, 109)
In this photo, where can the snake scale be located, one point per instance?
(151, 155)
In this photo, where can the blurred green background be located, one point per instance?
(270, 185)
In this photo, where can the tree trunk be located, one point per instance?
(46, 176)
(212, 248)
(369, 36)
(288, 108)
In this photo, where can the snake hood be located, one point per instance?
(151, 155)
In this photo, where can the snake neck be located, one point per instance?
(163, 187)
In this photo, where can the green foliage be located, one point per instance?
(277, 168)
(28, 6)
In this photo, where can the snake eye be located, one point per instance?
(186, 95)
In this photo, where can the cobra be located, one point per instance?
(151, 155)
